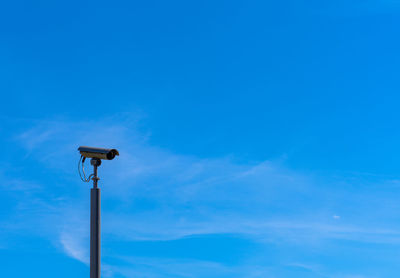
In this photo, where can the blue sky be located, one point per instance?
(257, 138)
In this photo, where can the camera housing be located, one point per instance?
(99, 153)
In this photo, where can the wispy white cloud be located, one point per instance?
(73, 245)
(159, 195)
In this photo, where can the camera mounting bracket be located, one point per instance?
(96, 162)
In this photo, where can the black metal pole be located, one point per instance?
(95, 223)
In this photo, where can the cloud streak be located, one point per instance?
(159, 195)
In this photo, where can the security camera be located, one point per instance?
(99, 153)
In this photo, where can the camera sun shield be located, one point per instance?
(100, 153)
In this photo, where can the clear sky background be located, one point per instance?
(257, 138)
